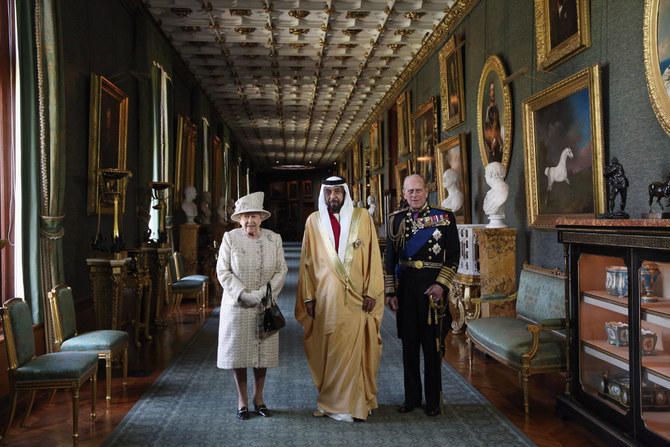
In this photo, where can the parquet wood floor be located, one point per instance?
(51, 424)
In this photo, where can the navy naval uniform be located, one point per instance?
(422, 249)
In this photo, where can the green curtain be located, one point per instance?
(30, 158)
(42, 152)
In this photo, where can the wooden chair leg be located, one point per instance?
(31, 401)
(525, 394)
(12, 409)
(125, 367)
(470, 351)
(94, 389)
(75, 415)
(53, 395)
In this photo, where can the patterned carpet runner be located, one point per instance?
(193, 403)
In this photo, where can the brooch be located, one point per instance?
(357, 243)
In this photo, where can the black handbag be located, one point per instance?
(273, 320)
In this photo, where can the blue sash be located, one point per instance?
(416, 242)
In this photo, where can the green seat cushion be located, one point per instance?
(104, 340)
(508, 337)
(200, 278)
(56, 366)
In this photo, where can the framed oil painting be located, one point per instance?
(278, 190)
(403, 106)
(494, 114)
(356, 193)
(184, 166)
(562, 29)
(108, 131)
(402, 170)
(376, 192)
(293, 190)
(376, 150)
(453, 187)
(657, 58)
(425, 135)
(451, 84)
(356, 162)
(307, 188)
(563, 148)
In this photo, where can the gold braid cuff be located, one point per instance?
(389, 284)
(446, 276)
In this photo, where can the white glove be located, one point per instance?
(250, 299)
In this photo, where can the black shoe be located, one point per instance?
(433, 411)
(405, 408)
(243, 413)
(262, 410)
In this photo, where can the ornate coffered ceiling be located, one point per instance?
(298, 80)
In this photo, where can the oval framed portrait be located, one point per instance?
(494, 114)
(657, 58)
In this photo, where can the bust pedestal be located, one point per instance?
(497, 267)
(467, 279)
(107, 280)
(188, 247)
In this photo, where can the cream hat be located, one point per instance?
(251, 203)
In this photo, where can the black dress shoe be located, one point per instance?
(243, 413)
(405, 408)
(433, 411)
(262, 410)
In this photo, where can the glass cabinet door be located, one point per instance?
(654, 341)
(603, 329)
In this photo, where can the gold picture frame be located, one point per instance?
(376, 150)
(403, 106)
(491, 127)
(376, 192)
(452, 154)
(402, 170)
(184, 166)
(108, 132)
(560, 33)
(357, 162)
(451, 84)
(356, 193)
(656, 66)
(425, 135)
(563, 140)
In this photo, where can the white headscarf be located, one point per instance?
(346, 213)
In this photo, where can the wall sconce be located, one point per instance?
(160, 192)
(113, 183)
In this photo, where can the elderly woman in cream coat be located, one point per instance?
(249, 259)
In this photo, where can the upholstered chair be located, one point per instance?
(191, 285)
(56, 370)
(107, 344)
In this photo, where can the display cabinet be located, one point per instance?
(619, 328)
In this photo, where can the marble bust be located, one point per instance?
(372, 206)
(206, 206)
(188, 205)
(454, 200)
(494, 202)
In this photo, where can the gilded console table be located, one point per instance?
(107, 280)
(497, 267)
(158, 255)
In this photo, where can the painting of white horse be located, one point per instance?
(558, 173)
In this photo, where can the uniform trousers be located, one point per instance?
(417, 336)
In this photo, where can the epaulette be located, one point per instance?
(402, 210)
